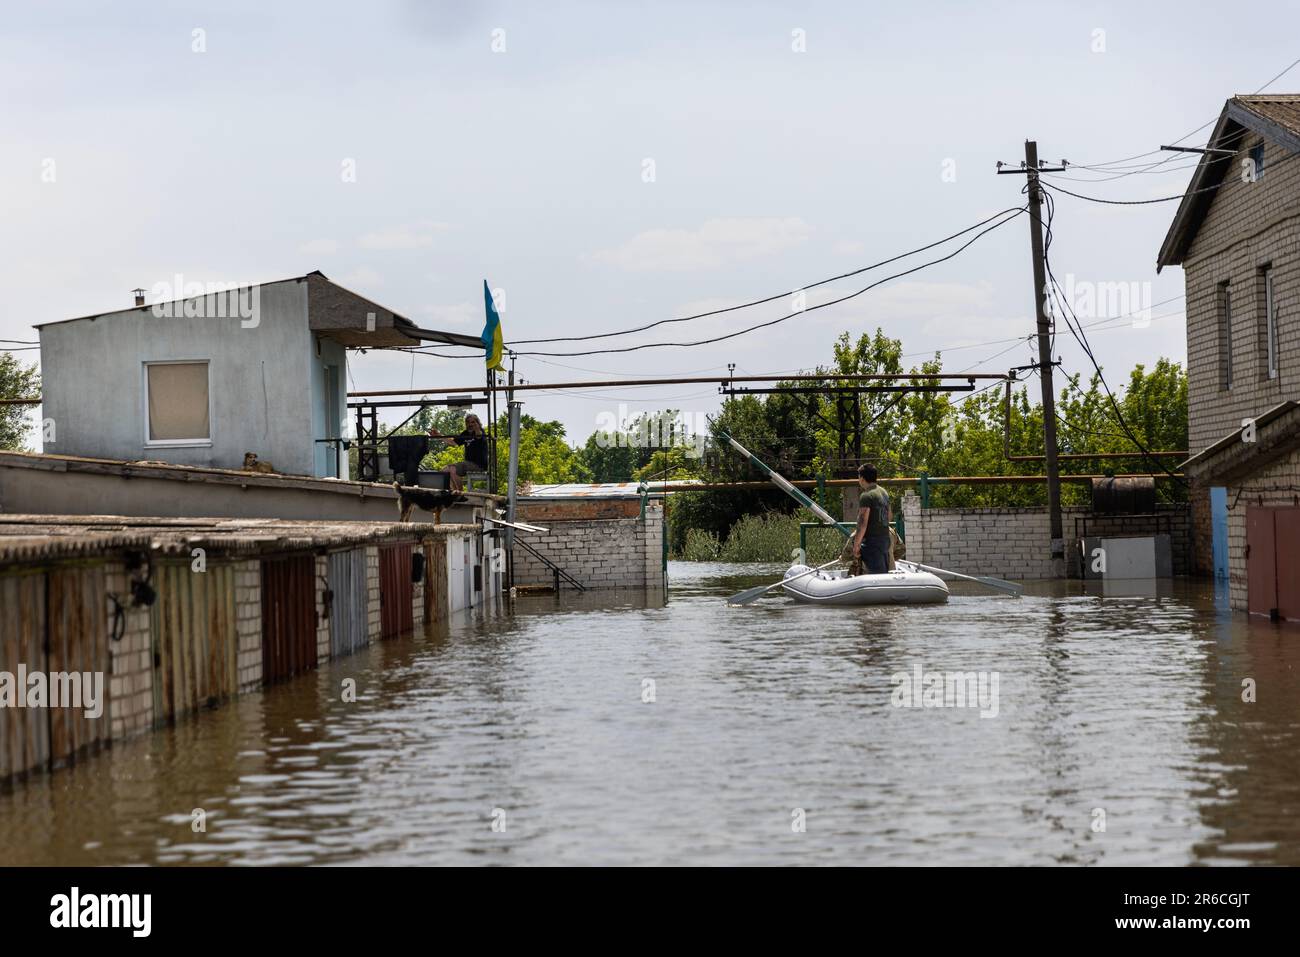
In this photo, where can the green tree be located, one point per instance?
(544, 454)
(17, 381)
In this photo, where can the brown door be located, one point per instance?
(1261, 561)
(1286, 536)
(288, 616)
(77, 645)
(396, 591)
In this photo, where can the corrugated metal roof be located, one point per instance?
(31, 538)
(334, 311)
(189, 473)
(598, 489)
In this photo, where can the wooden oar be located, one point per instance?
(1011, 588)
(745, 597)
(780, 482)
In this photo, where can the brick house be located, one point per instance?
(1237, 237)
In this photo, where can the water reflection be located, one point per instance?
(630, 729)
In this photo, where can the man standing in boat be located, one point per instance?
(871, 541)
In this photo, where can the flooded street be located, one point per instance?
(1120, 737)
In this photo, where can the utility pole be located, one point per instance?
(1031, 171)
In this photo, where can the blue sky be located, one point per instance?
(526, 166)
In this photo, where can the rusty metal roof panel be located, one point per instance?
(32, 538)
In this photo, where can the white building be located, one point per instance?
(202, 381)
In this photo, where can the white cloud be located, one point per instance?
(320, 247)
(459, 314)
(407, 236)
(716, 243)
(849, 247)
(360, 279)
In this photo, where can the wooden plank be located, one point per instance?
(230, 631)
(60, 598)
(37, 730)
(172, 651)
(8, 631)
(96, 657)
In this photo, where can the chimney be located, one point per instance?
(139, 296)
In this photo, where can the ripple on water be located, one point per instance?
(1122, 710)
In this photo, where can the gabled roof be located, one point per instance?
(1274, 116)
(334, 312)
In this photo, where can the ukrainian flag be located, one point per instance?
(492, 343)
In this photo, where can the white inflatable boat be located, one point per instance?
(903, 586)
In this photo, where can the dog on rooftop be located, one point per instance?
(252, 464)
(409, 497)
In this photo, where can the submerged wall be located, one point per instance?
(1014, 543)
(235, 606)
(602, 542)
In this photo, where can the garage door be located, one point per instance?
(1273, 562)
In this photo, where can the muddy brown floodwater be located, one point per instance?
(1120, 737)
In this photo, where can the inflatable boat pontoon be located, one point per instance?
(903, 586)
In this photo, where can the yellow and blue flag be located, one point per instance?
(492, 341)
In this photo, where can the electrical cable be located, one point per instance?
(763, 325)
(755, 302)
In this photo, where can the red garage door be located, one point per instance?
(1286, 535)
(288, 616)
(1273, 562)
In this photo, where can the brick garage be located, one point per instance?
(1260, 468)
(603, 542)
(201, 642)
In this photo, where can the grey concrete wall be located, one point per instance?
(327, 353)
(259, 380)
(38, 486)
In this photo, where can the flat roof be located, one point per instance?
(32, 538)
(596, 489)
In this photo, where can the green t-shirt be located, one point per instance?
(876, 499)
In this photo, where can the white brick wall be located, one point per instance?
(131, 661)
(322, 618)
(1247, 226)
(248, 623)
(1015, 542)
(373, 622)
(600, 553)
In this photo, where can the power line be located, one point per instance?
(755, 302)
(1076, 330)
(762, 325)
(1209, 122)
(1162, 199)
(1148, 171)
